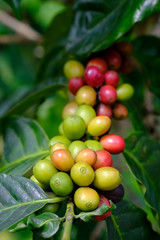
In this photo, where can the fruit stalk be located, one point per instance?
(69, 220)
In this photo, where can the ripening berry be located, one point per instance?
(73, 68)
(93, 76)
(113, 59)
(111, 78)
(99, 63)
(120, 112)
(86, 95)
(74, 84)
(104, 110)
(107, 94)
(113, 143)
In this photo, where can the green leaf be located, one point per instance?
(88, 216)
(24, 143)
(47, 224)
(129, 222)
(57, 28)
(142, 155)
(135, 115)
(40, 92)
(15, 5)
(97, 24)
(147, 50)
(19, 197)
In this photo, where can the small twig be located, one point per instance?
(21, 28)
(8, 39)
(69, 220)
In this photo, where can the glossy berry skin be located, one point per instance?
(82, 174)
(74, 84)
(86, 155)
(107, 94)
(111, 78)
(74, 127)
(86, 112)
(43, 186)
(99, 125)
(43, 170)
(99, 63)
(127, 66)
(120, 112)
(93, 144)
(125, 92)
(86, 95)
(103, 199)
(115, 195)
(104, 159)
(113, 143)
(104, 110)
(113, 59)
(125, 48)
(59, 139)
(69, 109)
(93, 76)
(75, 147)
(57, 146)
(73, 68)
(62, 160)
(61, 184)
(86, 199)
(107, 178)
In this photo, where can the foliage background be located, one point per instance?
(31, 71)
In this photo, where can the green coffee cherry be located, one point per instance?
(73, 68)
(86, 112)
(125, 92)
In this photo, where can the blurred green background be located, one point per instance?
(19, 64)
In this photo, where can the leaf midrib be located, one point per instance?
(46, 200)
(23, 159)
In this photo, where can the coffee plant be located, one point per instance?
(91, 169)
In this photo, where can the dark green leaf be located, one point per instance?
(24, 143)
(19, 197)
(129, 222)
(58, 28)
(34, 97)
(142, 155)
(47, 224)
(88, 216)
(52, 63)
(147, 50)
(135, 115)
(97, 24)
(15, 5)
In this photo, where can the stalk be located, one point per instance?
(69, 220)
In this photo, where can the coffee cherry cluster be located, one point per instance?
(99, 85)
(80, 162)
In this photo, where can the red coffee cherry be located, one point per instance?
(104, 110)
(113, 143)
(104, 159)
(116, 194)
(93, 76)
(120, 112)
(107, 94)
(113, 59)
(74, 84)
(125, 48)
(111, 78)
(106, 215)
(127, 66)
(99, 63)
